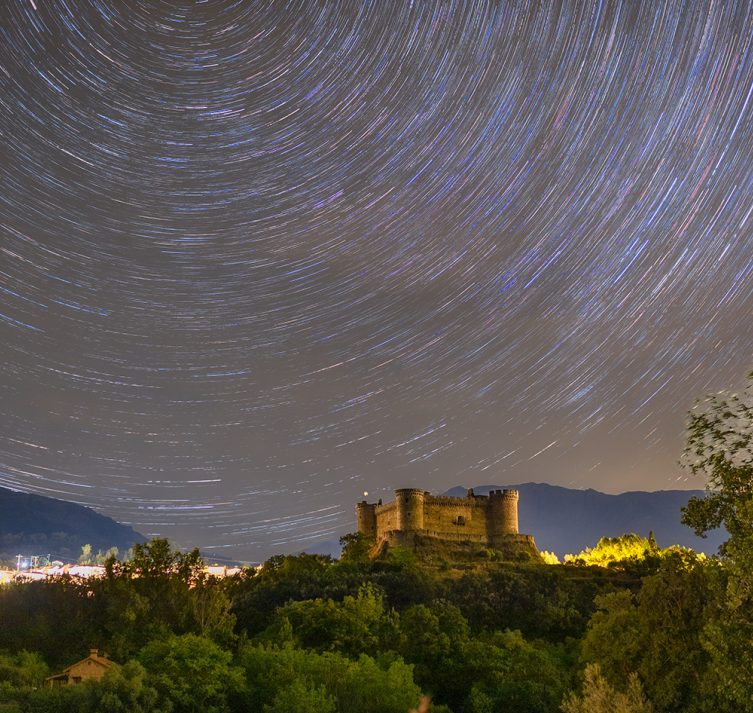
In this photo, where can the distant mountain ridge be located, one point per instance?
(565, 520)
(35, 524)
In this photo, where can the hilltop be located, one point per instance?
(34, 524)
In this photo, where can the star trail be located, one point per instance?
(256, 258)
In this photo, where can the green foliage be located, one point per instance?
(53, 618)
(356, 547)
(629, 552)
(720, 447)
(354, 625)
(211, 608)
(312, 635)
(86, 556)
(157, 592)
(615, 635)
(402, 557)
(101, 558)
(157, 561)
(506, 672)
(430, 635)
(549, 557)
(542, 602)
(362, 685)
(124, 688)
(65, 699)
(658, 633)
(600, 697)
(192, 673)
(727, 635)
(280, 580)
(403, 582)
(432, 638)
(300, 698)
(21, 673)
(283, 579)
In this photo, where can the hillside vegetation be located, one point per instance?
(307, 633)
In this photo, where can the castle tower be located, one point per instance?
(502, 516)
(366, 518)
(410, 509)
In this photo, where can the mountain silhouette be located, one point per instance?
(38, 525)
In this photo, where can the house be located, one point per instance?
(92, 668)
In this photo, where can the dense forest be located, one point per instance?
(624, 627)
(306, 633)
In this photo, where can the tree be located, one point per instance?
(123, 690)
(504, 673)
(355, 547)
(53, 618)
(157, 592)
(354, 625)
(20, 674)
(628, 552)
(539, 601)
(300, 698)
(658, 633)
(212, 610)
(281, 579)
(103, 557)
(192, 673)
(86, 556)
(157, 560)
(430, 638)
(720, 447)
(600, 697)
(364, 685)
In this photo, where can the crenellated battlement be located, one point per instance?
(486, 519)
(504, 494)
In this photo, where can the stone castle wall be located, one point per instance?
(475, 518)
(386, 520)
(465, 518)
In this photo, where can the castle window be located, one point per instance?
(460, 520)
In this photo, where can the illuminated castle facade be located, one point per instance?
(490, 520)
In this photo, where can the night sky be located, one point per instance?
(257, 258)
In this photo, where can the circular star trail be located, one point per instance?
(256, 258)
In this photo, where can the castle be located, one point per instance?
(490, 520)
